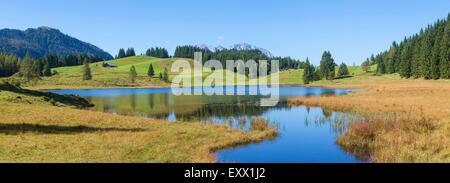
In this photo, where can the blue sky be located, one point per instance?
(350, 29)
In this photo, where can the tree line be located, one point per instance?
(11, 64)
(326, 69)
(233, 54)
(423, 55)
(128, 53)
(157, 52)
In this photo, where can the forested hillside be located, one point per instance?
(423, 55)
(43, 41)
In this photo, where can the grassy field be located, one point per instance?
(400, 120)
(71, 77)
(36, 128)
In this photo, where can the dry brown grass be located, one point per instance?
(31, 130)
(404, 120)
(259, 124)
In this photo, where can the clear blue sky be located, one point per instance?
(350, 29)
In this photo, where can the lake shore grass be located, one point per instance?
(401, 120)
(34, 129)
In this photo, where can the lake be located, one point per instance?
(305, 134)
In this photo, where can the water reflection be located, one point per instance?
(306, 134)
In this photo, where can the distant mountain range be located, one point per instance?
(240, 46)
(45, 40)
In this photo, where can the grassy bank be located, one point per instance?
(35, 129)
(401, 120)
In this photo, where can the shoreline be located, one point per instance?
(398, 116)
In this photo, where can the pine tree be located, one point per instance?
(381, 66)
(133, 74)
(151, 72)
(165, 75)
(130, 52)
(122, 53)
(445, 51)
(160, 76)
(307, 74)
(86, 71)
(435, 53)
(391, 60)
(415, 64)
(425, 59)
(327, 66)
(343, 70)
(36, 69)
(406, 59)
(26, 68)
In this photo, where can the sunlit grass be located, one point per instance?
(33, 129)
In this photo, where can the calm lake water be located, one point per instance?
(306, 134)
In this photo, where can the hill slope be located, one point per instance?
(44, 40)
(71, 77)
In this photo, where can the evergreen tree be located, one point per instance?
(151, 72)
(390, 62)
(9, 65)
(86, 71)
(307, 74)
(37, 67)
(122, 53)
(343, 70)
(425, 59)
(415, 65)
(165, 76)
(445, 51)
(435, 54)
(130, 52)
(160, 76)
(381, 67)
(157, 52)
(406, 57)
(327, 66)
(133, 74)
(26, 68)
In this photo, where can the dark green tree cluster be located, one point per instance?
(233, 54)
(423, 55)
(187, 51)
(129, 53)
(157, 52)
(9, 65)
(151, 71)
(327, 66)
(343, 71)
(36, 67)
(28, 67)
(71, 60)
(310, 73)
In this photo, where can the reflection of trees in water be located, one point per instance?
(222, 110)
